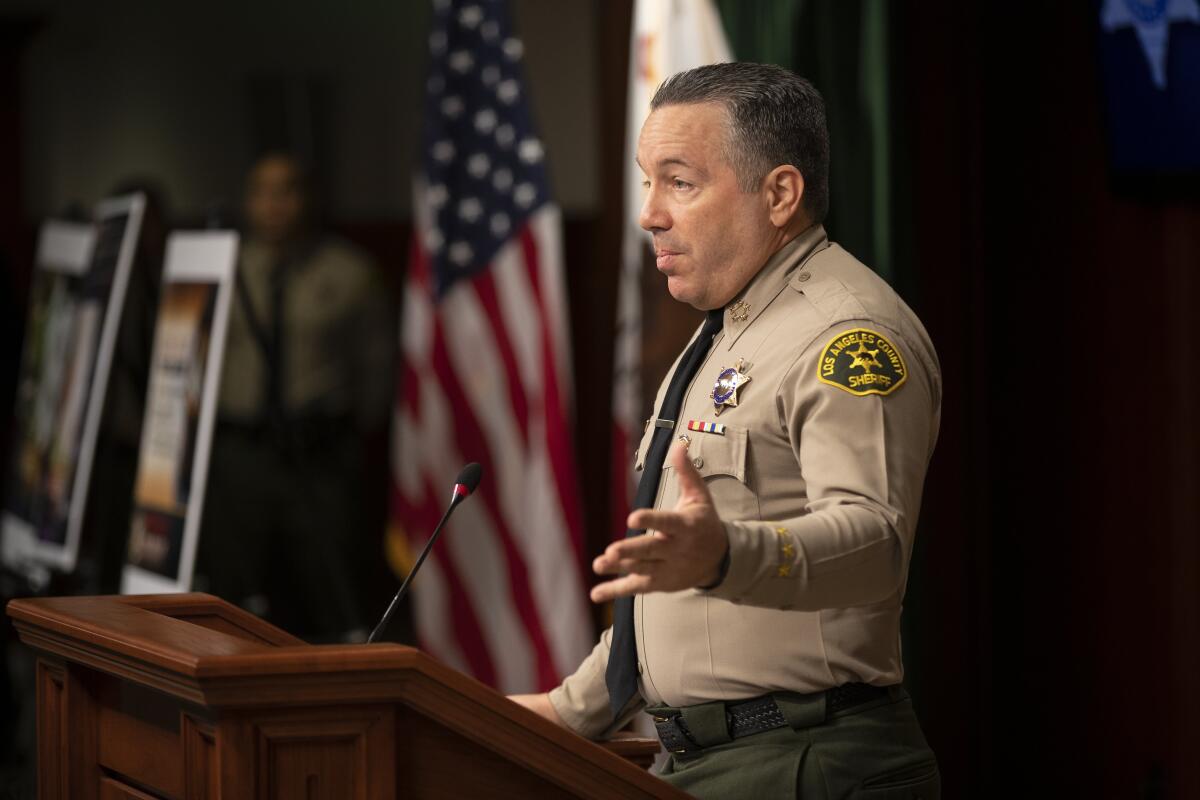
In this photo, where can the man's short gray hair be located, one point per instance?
(775, 117)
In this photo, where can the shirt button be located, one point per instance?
(698, 463)
(803, 276)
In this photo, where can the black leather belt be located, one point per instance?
(757, 715)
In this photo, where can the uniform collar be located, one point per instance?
(741, 312)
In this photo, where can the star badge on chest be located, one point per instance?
(725, 390)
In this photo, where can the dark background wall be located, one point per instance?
(1060, 544)
(1053, 625)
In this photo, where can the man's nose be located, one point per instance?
(653, 216)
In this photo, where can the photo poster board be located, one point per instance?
(74, 316)
(181, 406)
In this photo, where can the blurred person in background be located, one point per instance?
(306, 382)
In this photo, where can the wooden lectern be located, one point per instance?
(188, 697)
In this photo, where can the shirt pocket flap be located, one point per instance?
(715, 454)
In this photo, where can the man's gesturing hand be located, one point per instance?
(681, 549)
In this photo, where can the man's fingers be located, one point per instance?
(650, 563)
(641, 548)
(621, 587)
(668, 522)
(648, 546)
(630, 566)
(640, 566)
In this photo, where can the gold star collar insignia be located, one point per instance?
(739, 311)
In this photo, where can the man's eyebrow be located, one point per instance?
(666, 162)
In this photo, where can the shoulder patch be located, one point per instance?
(862, 362)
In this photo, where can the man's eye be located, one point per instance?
(645, 184)
(680, 184)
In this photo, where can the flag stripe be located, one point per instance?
(546, 227)
(409, 388)
(477, 551)
(557, 437)
(470, 439)
(542, 533)
(517, 310)
(436, 638)
(485, 288)
(473, 546)
(427, 516)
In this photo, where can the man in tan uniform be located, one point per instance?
(306, 383)
(768, 588)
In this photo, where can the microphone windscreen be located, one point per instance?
(470, 476)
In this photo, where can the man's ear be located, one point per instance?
(784, 186)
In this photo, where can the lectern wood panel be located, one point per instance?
(141, 735)
(111, 789)
(199, 743)
(437, 757)
(51, 730)
(187, 698)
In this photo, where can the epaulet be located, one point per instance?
(816, 278)
(864, 359)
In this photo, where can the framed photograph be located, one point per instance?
(185, 371)
(78, 292)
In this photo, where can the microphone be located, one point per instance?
(464, 484)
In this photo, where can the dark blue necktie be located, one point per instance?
(621, 674)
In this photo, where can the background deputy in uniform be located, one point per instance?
(306, 383)
(764, 631)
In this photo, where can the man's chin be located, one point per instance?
(681, 292)
(685, 293)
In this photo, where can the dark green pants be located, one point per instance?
(874, 750)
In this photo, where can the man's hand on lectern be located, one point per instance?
(540, 705)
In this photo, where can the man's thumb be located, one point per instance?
(691, 483)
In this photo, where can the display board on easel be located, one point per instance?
(185, 370)
(78, 292)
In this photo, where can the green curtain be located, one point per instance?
(842, 47)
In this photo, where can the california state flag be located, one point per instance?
(669, 36)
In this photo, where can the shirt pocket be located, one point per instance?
(715, 454)
(721, 459)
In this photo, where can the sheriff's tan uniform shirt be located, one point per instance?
(817, 476)
(338, 334)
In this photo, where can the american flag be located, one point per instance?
(486, 373)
